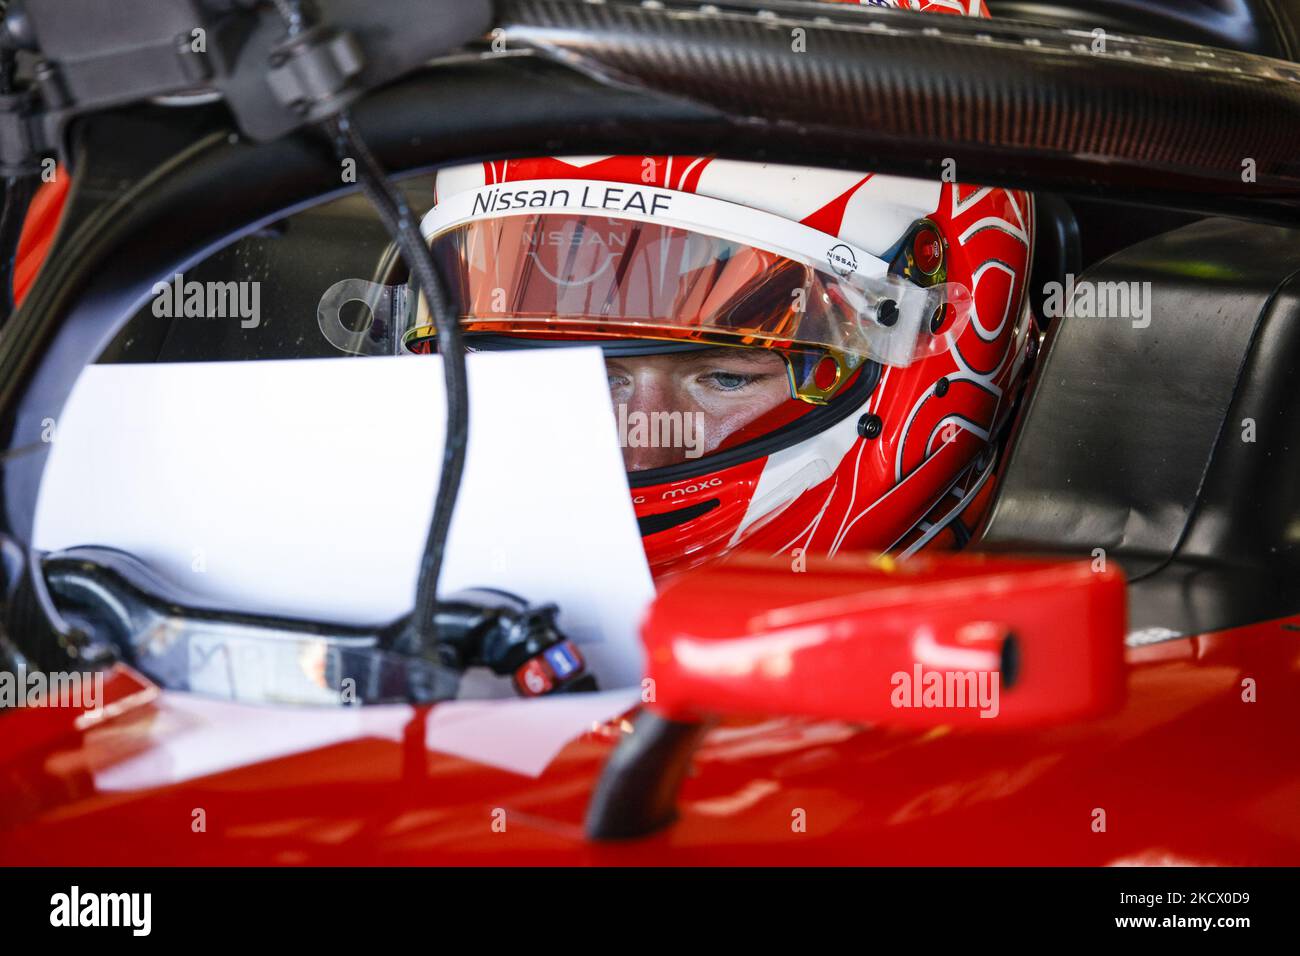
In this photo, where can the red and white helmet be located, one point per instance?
(896, 304)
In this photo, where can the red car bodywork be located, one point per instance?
(1189, 771)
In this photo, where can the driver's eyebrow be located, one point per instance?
(748, 355)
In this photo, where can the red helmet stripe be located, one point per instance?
(830, 218)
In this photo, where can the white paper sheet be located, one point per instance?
(305, 487)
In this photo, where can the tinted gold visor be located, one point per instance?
(596, 276)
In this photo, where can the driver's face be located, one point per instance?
(715, 392)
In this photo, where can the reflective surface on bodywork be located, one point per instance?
(1189, 771)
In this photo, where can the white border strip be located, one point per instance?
(702, 214)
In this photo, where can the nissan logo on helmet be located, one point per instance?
(842, 259)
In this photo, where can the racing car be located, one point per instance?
(1000, 572)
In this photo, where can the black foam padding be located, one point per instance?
(1137, 440)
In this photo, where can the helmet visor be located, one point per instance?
(598, 259)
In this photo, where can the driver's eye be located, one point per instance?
(728, 381)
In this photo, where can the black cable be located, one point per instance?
(402, 226)
(18, 190)
(18, 193)
(419, 634)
